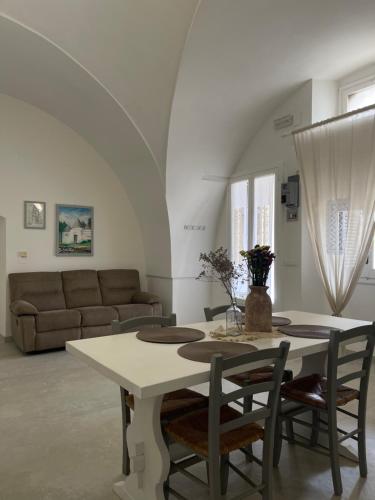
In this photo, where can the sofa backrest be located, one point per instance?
(42, 289)
(118, 285)
(81, 288)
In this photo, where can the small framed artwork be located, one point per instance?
(74, 231)
(34, 215)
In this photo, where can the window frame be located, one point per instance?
(351, 88)
(368, 272)
(250, 177)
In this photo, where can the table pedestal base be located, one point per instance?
(149, 457)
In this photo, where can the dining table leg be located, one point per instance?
(149, 457)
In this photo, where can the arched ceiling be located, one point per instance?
(242, 58)
(36, 71)
(133, 47)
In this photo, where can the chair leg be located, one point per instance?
(362, 440)
(214, 478)
(125, 423)
(314, 438)
(289, 430)
(224, 473)
(267, 463)
(166, 489)
(334, 452)
(278, 438)
(247, 407)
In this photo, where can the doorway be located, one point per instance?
(3, 277)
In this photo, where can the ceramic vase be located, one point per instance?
(258, 310)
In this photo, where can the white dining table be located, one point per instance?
(150, 370)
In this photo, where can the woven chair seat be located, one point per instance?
(192, 431)
(312, 391)
(177, 403)
(257, 376)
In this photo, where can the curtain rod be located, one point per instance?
(334, 119)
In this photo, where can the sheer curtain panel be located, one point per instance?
(337, 162)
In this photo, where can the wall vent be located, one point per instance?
(283, 122)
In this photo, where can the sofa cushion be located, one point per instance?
(98, 315)
(89, 332)
(118, 286)
(127, 311)
(81, 288)
(55, 339)
(43, 290)
(58, 320)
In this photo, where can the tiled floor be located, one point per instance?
(60, 438)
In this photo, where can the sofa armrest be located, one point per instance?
(145, 298)
(23, 308)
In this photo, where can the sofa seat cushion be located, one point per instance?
(60, 319)
(127, 311)
(98, 315)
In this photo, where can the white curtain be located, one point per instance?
(337, 162)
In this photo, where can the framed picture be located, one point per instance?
(74, 230)
(34, 215)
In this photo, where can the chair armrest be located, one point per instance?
(23, 308)
(145, 298)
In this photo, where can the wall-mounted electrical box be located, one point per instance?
(290, 197)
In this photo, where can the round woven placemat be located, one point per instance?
(280, 321)
(307, 331)
(203, 351)
(170, 335)
(276, 320)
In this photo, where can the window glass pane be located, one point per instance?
(239, 225)
(264, 218)
(361, 99)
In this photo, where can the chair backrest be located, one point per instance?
(339, 339)
(134, 323)
(211, 312)
(219, 368)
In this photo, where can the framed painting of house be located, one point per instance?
(34, 215)
(74, 231)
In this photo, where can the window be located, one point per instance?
(239, 197)
(355, 96)
(361, 98)
(253, 219)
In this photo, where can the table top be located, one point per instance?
(149, 370)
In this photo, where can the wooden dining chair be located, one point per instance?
(325, 396)
(249, 377)
(174, 403)
(213, 433)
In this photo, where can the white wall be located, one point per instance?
(42, 159)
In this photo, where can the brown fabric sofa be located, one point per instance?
(49, 308)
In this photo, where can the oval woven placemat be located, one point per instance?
(307, 331)
(203, 351)
(170, 335)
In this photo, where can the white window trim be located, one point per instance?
(351, 88)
